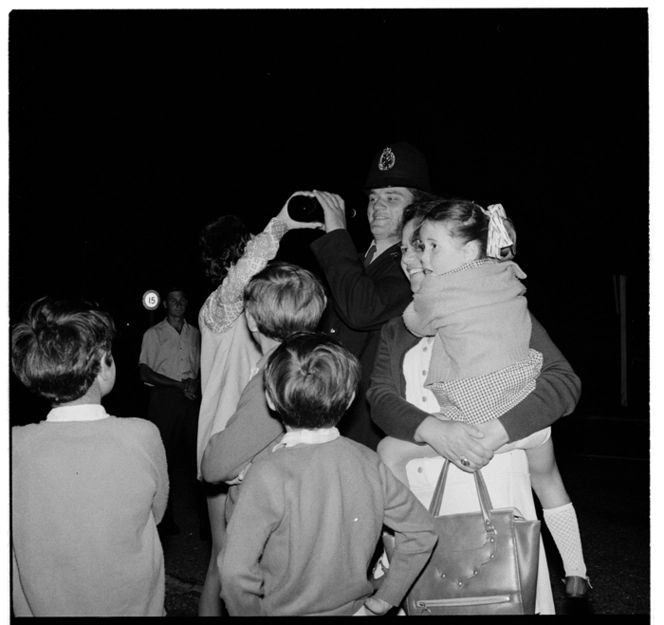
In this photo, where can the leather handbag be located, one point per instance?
(484, 563)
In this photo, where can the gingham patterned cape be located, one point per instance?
(481, 399)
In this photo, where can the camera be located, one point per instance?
(307, 209)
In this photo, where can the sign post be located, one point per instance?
(151, 302)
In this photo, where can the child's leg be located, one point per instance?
(558, 510)
(545, 477)
(396, 454)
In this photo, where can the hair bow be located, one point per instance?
(497, 238)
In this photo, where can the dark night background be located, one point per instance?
(129, 130)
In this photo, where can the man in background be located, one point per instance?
(170, 364)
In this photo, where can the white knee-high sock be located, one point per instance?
(564, 528)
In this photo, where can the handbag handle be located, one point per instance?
(482, 494)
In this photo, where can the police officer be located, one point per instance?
(369, 289)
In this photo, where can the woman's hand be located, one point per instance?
(292, 224)
(455, 441)
(495, 435)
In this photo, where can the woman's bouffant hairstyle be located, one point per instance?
(284, 299)
(421, 196)
(310, 378)
(468, 222)
(58, 346)
(221, 244)
(419, 208)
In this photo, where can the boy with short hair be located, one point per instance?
(88, 489)
(311, 511)
(278, 301)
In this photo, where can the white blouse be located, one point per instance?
(416, 368)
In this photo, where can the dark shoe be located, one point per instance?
(168, 527)
(576, 587)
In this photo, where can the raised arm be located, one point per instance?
(226, 304)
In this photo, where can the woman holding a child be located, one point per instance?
(402, 407)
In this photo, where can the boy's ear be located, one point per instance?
(251, 322)
(104, 369)
(270, 403)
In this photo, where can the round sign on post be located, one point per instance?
(151, 299)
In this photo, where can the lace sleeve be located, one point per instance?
(226, 304)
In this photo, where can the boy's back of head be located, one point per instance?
(58, 346)
(284, 299)
(311, 380)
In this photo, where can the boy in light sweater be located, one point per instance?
(310, 512)
(88, 489)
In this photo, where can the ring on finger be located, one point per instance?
(465, 462)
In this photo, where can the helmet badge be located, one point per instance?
(386, 160)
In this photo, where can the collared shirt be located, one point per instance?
(370, 254)
(175, 355)
(78, 412)
(378, 251)
(262, 362)
(307, 437)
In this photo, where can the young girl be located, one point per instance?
(231, 256)
(471, 300)
(88, 489)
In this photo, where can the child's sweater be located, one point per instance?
(305, 528)
(86, 500)
(481, 363)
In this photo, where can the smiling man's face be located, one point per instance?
(385, 211)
